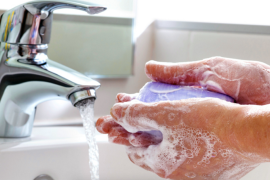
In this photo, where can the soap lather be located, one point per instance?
(157, 92)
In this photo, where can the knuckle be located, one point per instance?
(214, 59)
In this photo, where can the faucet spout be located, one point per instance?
(26, 82)
(79, 96)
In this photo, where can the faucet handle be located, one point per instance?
(44, 8)
(30, 23)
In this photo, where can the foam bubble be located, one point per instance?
(179, 145)
(190, 175)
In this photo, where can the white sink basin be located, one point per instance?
(62, 153)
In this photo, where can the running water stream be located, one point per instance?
(86, 108)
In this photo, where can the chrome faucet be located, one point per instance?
(27, 76)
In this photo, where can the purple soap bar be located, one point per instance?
(155, 92)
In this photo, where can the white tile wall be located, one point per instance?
(181, 45)
(259, 173)
(110, 87)
(171, 45)
(92, 48)
(233, 45)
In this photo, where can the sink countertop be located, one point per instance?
(48, 137)
(62, 153)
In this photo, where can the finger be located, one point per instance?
(116, 133)
(176, 73)
(119, 135)
(141, 139)
(105, 124)
(137, 116)
(129, 115)
(138, 156)
(123, 97)
(135, 158)
(148, 159)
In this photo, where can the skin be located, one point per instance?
(243, 128)
(248, 82)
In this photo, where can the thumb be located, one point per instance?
(176, 73)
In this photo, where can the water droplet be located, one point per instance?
(190, 175)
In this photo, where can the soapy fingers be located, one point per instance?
(241, 127)
(105, 124)
(248, 82)
(138, 116)
(118, 135)
(175, 73)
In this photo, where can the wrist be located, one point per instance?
(250, 130)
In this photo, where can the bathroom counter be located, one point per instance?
(62, 153)
(44, 137)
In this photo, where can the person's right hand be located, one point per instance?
(248, 82)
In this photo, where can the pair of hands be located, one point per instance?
(197, 138)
